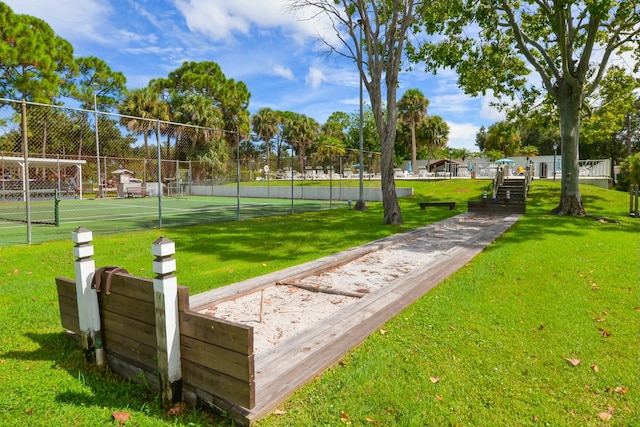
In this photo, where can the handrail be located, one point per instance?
(498, 181)
(528, 176)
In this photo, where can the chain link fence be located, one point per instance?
(63, 168)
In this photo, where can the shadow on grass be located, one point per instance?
(103, 389)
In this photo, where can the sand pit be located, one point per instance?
(289, 307)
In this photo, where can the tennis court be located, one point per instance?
(116, 215)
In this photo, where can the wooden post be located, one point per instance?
(88, 309)
(165, 287)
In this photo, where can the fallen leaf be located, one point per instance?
(29, 411)
(434, 379)
(599, 319)
(595, 368)
(438, 397)
(604, 332)
(371, 421)
(344, 417)
(574, 362)
(16, 271)
(453, 328)
(279, 412)
(535, 418)
(604, 416)
(121, 417)
(383, 331)
(621, 390)
(177, 409)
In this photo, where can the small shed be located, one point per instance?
(124, 179)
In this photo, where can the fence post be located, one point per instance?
(88, 309)
(165, 287)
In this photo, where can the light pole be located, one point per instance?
(450, 168)
(555, 150)
(95, 114)
(361, 205)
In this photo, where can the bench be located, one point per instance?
(133, 192)
(423, 205)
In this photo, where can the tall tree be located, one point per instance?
(373, 34)
(141, 109)
(434, 131)
(95, 82)
(604, 127)
(412, 107)
(207, 79)
(302, 132)
(266, 124)
(567, 43)
(503, 136)
(34, 62)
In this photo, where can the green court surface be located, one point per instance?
(115, 215)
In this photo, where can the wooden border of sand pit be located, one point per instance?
(296, 360)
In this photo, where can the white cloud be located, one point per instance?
(315, 77)
(488, 111)
(457, 103)
(463, 135)
(284, 72)
(70, 19)
(221, 20)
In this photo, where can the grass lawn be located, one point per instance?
(495, 344)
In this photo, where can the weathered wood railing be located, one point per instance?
(144, 330)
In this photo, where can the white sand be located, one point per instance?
(288, 310)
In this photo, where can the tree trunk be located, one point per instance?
(392, 214)
(569, 103)
(414, 161)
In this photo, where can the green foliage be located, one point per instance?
(206, 79)
(34, 62)
(631, 166)
(504, 137)
(95, 77)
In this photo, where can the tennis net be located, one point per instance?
(43, 206)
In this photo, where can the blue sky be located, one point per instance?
(256, 41)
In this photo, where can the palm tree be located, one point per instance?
(266, 124)
(206, 120)
(435, 132)
(412, 107)
(302, 131)
(143, 107)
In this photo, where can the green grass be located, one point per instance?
(496, 334)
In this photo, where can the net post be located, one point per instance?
(57, 208)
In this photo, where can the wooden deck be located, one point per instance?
(298, 359)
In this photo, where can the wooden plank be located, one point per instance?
(141, 354)
(229, 388)
(127, 285)
(183, 298)
(232, 336)
(236, 365)
(124, 305)
(69, 314)
(132, 328)
(235, 413)
(123, 367)
(66, 287)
